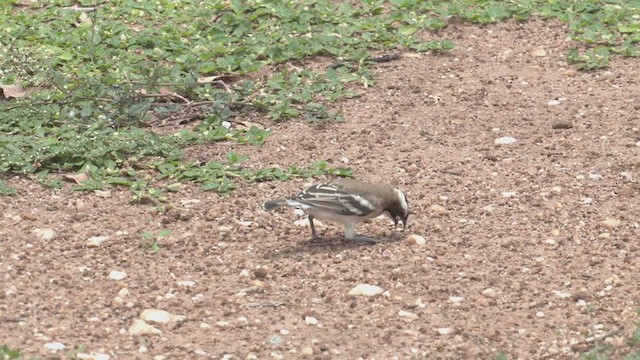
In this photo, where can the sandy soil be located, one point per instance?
(531, 247)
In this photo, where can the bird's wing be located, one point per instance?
(329, 197)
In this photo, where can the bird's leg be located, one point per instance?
(314, 235)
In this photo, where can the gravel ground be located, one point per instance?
(522, 175)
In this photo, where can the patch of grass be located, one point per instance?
(97, 79)
(6, 190)
(6, 353)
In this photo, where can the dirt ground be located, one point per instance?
(531, 247)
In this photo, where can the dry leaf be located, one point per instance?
(78, 178)
(209, 79)
(13, 91)
(84, 18)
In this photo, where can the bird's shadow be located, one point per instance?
(326, 245)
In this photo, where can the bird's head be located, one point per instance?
(398, 208)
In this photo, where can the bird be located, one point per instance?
(349, 202)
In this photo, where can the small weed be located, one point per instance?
(154, 245)
(7, 353)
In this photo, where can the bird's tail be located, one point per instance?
(274, 204)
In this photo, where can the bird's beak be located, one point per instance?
(397, 219)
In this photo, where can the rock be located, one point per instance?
(117, 275)
(366, 290)
(456, 299)
(553, 102)
(123, 292)
(95, 241)
(186, 283)
(140, 327)
(610, 223)
(160, 316)
(508, 194)
(92, 356)
(596, 177)
(415, 239)
(277, 355)
(540, 314)
(444, 331)
(438, 210)
(143, 349)
(505, 140)
(562, 295)
(54, 346)
(407, 315)
(252, 356)
(539, 52)
(274, 340)
(102, 193)
(587, 201)
(488, 209)
(310, 320)
(307, 350)
(562, 124)
(489, 292)
(45, 234)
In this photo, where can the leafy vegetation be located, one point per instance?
(89, 82)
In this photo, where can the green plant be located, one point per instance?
(6, 190)
(154, 245)
(6, 353)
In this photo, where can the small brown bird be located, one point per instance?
(347, 201)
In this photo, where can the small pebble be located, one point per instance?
(310, 320)
(140, 327)
(407, 314)
(54, 346)
(610, 223)
(307, 350)
(366, 290)
(415, 239)
(117, 275)
(595, 177)
(505, 140)
(489, 292)
(92, 356)
(540, 314)
(553, 102)
(45, 234)
(95, 241)
(456, 299)
(444, 331)
(562, 124)
(539, 52)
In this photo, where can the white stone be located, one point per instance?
(489, 292)
(160, 316)
(540, 314)
(407, 314)
(186, 283)
(366, 290)
(95, 241)
(444, 331)
(415, 239)
(307, 350)
(456, 299)
(117, 275)
(505, 140)
(140, 327)
(561, 295)
(93, 356)
(310, 320)
(54, 346)
(553, 102)
(45, 234)
(596, 177)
